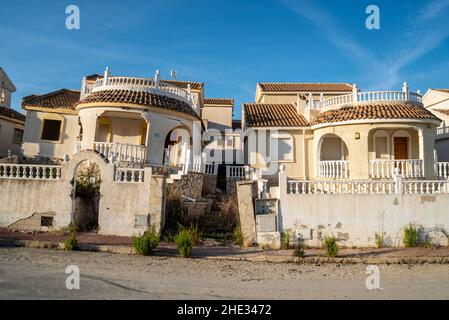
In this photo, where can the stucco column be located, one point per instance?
(146, 117)
(196, 139)
(90, 126)
(358, 153)
(426, 151)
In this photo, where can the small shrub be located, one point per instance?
(71, 243)
(194, 234)
(184, 242)
(146, 243)
(411, 236)
(238, 236)
(299, 249)
(380, 240)
(331, 247)
(285, 240)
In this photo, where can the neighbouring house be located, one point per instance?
(222, 131)
(11, 122)
(143, 137)
(437, 101)
(332, 160)
(336, 131)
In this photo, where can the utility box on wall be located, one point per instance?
(266, 206)
(141, 220)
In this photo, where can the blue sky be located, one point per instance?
(229, 45)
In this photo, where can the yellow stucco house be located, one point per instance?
(147, 121)
(335, 131)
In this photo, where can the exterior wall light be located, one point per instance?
(357, 136)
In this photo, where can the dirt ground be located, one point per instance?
(40, 274)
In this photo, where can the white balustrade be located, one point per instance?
(333, 169)
(129, 175)
(442, 170)
(122, 152)
(442, 130)
(143, 85)
(211, 169)
(302, 187)
(237, 172)
(77, 147)
(426, 187)
(30, 172)
(369, 96)
(340, 187)
(412, 168)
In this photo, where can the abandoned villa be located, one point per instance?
(310, 159)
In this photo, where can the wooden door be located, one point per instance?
(400, 148)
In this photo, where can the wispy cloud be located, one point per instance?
(428, 30)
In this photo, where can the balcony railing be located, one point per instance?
(369, 96)
(442, 170)
(122, 152)
(442, 130)
(237, 172)
(337, 169)
(142, 84)
(386, 168)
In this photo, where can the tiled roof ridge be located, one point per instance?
(49, 94)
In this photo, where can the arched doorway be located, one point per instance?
(86, 183)
(333, 157)
(176, 147)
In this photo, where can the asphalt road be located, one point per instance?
(41, 274)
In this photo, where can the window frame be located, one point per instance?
(14, 135)
(61, 120)
(283, 136)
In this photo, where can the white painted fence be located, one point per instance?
(333, 169)
(122, 152)
(30, 172)
(129, 175)
(237, 172)
(386, 168)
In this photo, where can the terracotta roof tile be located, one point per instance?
(219, 101)
(375, 111)
(272, 115)
(184, 84)
(138, 98)
(61, 99)
(11, 113)
(306, 87)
